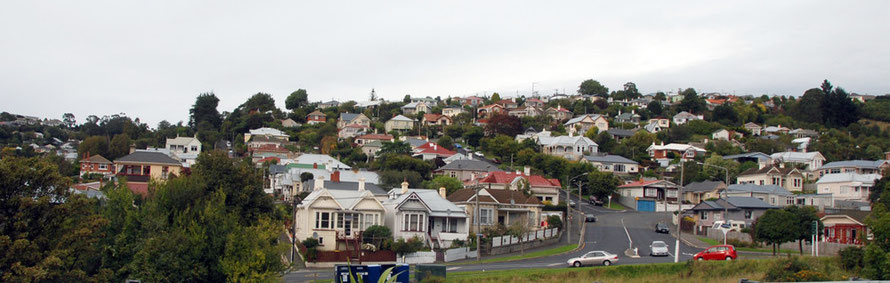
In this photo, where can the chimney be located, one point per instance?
(443, 192)
(887, 155)
(361, 184)
(781, 164)
(527, 171)
(470, 155)
(335, 177)
(132, 148)
(435, 146)
(319, 183)
(314, 165)
(405, 186)
(633, 111)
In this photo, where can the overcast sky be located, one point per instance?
(150, 59)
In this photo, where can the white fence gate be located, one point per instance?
(534, 235)
(459, 254)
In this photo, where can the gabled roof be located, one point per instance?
(401, 118)
(566, 140)
(316, 113)
(648, 183)
(380, 137)
(348, 186)
(752, 188)
(432, 148)
(581, 118)
(469, 165)
(308, 158)
(855, 215)
(849, 177)
(752, 125)
(267, 132)
(856, 163)
(768, 169)
(96, 159)
(733, 203)
(501, 177)
(706, 186)
(182, 140)
(415, 142)
(675, 147)
(438, 205)
(686, 115)
(148, 157)
(621, 132)
(609, 159)
(789, 156)
(758, 155)
(348, 116)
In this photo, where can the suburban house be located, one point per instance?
(508, 104)
(186, 149)
(742, 209)
(558, 113)
(754, 128)
(819, 201)
(698, 192)
(620, 134)
(534, 102)
(271, 133)
(648, 195)
(471, 100)
(435, 119)
(568, 147)
(684, 117)
(319, 161)
(316, 117)
(847, 186)
(467, 169)
(488, 110)
(581, 124)
(499, 207)
(399, 123)
(337, 218)
(812, 160)
(415, 107)
(760, 158)
(771, 194)
(426, 214)
(452, 111)
(543, 188)
(525, 111)
(612, 163)
(662, 153)
(845, 226)
(290, 123)
(431, 150)
(142, 166)
(803, 133)
(266, 142)
(855, 166)
(370, 149)
(367, 138)
(352, 130)
(775, 130)
(789, 178)
(95, 164)
(726, 135)
(353, 119)
(631, 117)
(329, 104)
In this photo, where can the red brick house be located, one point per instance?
(96, 164)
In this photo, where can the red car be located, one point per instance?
(721, 252)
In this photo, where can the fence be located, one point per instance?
(534, 235)
(825, 248)
(459, 254)
(418, 257)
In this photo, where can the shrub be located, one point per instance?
(554, 221)
(793, 269)
(851, 258)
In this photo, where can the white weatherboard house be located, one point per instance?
(186, 149)
(847, 186)
(337, 217)
(425, 214)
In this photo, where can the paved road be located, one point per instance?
(614, 232)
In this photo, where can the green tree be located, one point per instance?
(592, 87)
(204, 110)
(450, 184)
(261, 102)
(120, 146)
(692, 102)
(602, 184)
(298, 99)
(446, 142)
(94, 145)
(394, 147)
(631, 91)
(376, 235)
(473, 135)
(773, 228)
(804, 217)
(655, 107)
(495, 97)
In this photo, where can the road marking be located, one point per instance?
(631, 241)
(554, 264)
(454, 268)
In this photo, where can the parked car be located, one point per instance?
(594, 201)
(593, 258)
(590, 218)
(721, 252)
(662, 228)
(658, 248)
(572, 203)
(733, 225)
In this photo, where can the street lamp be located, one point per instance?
(568, 206)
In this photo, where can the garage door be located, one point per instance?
(646, 205)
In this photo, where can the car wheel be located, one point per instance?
(607, 263)
(729, 258)
(700, 259)
(577, 264)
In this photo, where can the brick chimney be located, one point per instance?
(405, 186)
(361, 184)
(335, 176)
(319, 182)
(527, 170)
(443, 192)
(314, 165)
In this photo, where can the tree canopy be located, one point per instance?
(592, 87)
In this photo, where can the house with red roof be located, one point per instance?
(431, 150)
(534, 102)
(95, 164)
(472, 100)
(499, 207)
(316, 117)
(648, 195)
(435, 119)
(508, 104)
(543, 188)
(558, 113)
(488, 110)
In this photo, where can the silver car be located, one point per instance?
(593, 258)
(658, 248)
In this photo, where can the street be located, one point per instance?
(614, 232)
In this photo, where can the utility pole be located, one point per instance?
(568, 223)
(679, 211)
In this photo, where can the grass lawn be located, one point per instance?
(709, 271)
(713, 242)
(543, 253)
(615, 205)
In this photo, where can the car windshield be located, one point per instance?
(659, 244)
(659, 225)
(590, 215)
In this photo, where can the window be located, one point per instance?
(619, 168)
(704, 215)
(485, 216)
(761, 182)
(370, 219)
(452, 226)
(413, 222)
(775, 181)
(323, 220)
(748, 214)
(797, 183)
(835, 171)
(321, 240)
(194, 148)
(103, 167)
(453, 174)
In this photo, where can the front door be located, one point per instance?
(347, 224)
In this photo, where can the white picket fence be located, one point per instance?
(534, 235)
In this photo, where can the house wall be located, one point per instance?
(844, 191)
(628, 168)
(398, 125)
(89, 167)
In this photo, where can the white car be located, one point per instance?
(658, 248)
(592, 258)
